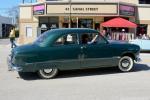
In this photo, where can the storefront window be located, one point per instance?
(97, 26)
(48, 23)
(73, 25)
(141, 29)
(65, 25)
(85, 23)
(144, 2)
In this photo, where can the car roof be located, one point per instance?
(72, 30)
(56, 33)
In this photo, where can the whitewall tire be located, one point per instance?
(125, 63)
(47, 73)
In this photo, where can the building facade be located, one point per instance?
(43, 15)
(5, 25)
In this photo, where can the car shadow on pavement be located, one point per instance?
(100, 71)
(140, 67)
(88, 72)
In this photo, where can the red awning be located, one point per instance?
(119, 22)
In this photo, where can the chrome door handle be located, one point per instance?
(83, 47)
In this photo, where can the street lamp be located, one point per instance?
(69, 13)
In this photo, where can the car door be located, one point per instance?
(98, 54)
(66, 51)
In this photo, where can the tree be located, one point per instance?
(14, 14)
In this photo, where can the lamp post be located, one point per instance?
(22, 1)
(69, 13)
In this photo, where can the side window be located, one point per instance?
(85, 38)
(101, 39)
(88, 38)
(68, 39)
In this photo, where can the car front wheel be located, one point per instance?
(126, 63)
(47, 73)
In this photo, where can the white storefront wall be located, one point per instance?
(144, 16)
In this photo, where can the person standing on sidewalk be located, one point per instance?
(12, 37)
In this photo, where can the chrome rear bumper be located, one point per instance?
(12, 67)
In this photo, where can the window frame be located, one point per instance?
(76, 42)
(104, 39)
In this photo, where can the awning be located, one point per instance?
(119, 22)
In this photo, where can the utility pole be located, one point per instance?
(23, 1)
(69, 13)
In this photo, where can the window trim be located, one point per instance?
(80, 38)
(76, 43)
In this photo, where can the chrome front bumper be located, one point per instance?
(138, 59)
(12, 67)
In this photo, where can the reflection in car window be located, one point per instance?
(67, 39)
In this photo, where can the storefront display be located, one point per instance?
(47, 23)
(50, 15)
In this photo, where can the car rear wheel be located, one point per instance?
(125, 63)
(47, 73)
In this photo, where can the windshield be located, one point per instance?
(42, 37)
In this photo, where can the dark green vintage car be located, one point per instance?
(65, 49)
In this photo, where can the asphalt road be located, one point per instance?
(92, 84)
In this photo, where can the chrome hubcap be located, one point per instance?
(125, 63)
(47, 70)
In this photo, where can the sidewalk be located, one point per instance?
(6, 42)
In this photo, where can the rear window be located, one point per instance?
(66, 40)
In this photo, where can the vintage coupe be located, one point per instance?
(74, 48)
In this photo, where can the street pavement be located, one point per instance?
(91, 84)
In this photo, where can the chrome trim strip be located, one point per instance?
(71, 60)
